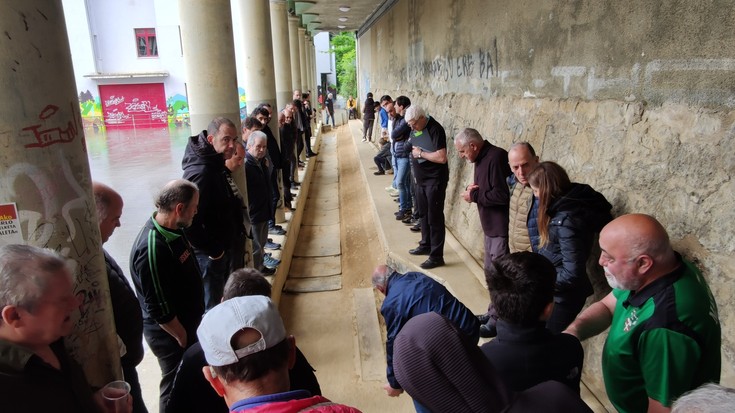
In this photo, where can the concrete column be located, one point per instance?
(209, 57)
(211, 74)
(312, 70)
(302, 58)
(260, 83)
(310, 77)
(44, 170)
(293, 42)
(310, 65)
(281, 52)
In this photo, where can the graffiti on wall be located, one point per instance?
(447, 73)
(49, 130)
(481, 64)
(61, 221)
(134, 105)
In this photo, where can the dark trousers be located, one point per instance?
(430, 199)
(299, 143)
(286, 179)
(367, 129)
(275, 194)
(238, 253)
(214, 276)
(564, 313)
(169, 353)
(131, 376)
(307, 141)
(382, 162)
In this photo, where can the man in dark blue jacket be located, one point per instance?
(408, 295)
(259, 195)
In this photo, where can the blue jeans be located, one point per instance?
(403, 183)
(260, 237)
(214, 276)
(420, 408)
(393, 165)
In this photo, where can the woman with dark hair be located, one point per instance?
(569, 216)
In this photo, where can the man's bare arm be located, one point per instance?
(176, 330)
(594, 320)
(654, 406)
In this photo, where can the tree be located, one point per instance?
(343, 47)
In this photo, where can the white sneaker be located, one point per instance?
(389, 188)
(364, 139)
(394, 193)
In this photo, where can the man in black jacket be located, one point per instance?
(167, 279)
(125, 308)
(220, 207)
(259, 196)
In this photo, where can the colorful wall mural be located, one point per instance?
(91, 108)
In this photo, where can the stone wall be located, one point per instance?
(635, 99)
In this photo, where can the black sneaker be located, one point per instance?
(378, 173)
(405, 215)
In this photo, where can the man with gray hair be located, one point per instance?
(36, 303)
(126, 310)
(408, 295)
(489, 190)
(259, 196)
(429, 152)
(220, 217)
(167, 279)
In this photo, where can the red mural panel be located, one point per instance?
(134, 106)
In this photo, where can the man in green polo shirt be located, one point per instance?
(664, 336)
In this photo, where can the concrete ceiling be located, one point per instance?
(323, 15)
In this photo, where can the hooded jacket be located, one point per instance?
(576, 217)
(220, 210)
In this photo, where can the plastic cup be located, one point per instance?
(115, 395)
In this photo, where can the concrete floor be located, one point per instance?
(346, 228)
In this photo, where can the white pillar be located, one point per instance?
(209, 58)
(44, 170)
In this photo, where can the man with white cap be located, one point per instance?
(249, 354)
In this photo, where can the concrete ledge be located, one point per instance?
(294, 226)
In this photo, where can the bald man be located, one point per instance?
(664, 336)
(126, 311)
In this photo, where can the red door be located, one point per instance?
(134, 106)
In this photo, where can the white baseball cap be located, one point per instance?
(229, 317)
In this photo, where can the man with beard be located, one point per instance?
(220, 209)
(167, 279)
(664, 337)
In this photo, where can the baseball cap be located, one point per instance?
(229, 317)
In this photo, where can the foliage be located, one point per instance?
(343, 47)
